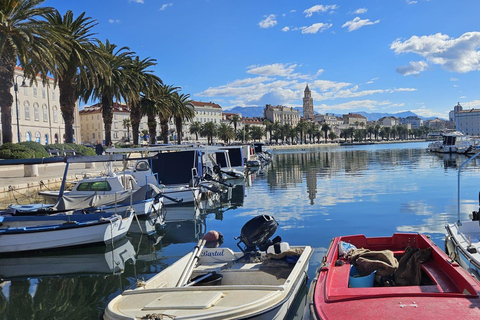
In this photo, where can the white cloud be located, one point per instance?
(371, 80)
(165, 6)
(411, 1)
(415, 67)
(320, 8)
(114, 21)
(268, 22)
(316, 27)
(137, 1)
(357, 23)
(285, 29)
(454, 54)
(453, 79)
(275, 69)
(360, 11)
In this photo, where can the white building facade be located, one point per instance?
(39, 117)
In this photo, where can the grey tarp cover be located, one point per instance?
(70, 202)
(367, 261)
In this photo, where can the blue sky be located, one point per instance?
(372, 55)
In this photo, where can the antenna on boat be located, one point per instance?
(458, 187)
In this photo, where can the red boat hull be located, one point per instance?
(451, 294)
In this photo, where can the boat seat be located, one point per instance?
(437, 275)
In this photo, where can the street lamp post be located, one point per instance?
(15, 88)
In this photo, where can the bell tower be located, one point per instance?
(308, 104)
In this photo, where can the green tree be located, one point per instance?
(325, 129)
(195, 128)
(268, 128)
(112, 85)
(257, 133)
(182, 111)
(235, 120)
(23, 38)
(78, 64)
(209, 130)
(225, 132)
(143, 83)
(332, 136)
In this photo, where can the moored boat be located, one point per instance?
(437, 287)
(40, 232)
(223, 284)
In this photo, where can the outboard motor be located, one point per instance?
(476, 214)
(256, 233)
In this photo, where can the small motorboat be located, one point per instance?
(426, 283)
(261, 281)
(462, 241)
(41, 232)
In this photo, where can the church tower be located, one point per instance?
(307, 104)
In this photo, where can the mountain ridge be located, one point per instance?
(254, 112)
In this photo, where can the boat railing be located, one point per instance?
(458, 185)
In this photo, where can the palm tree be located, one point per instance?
(325, 129)
(78, 63)
(142, 80)
(209, 130)
(166, 107)
(127, 124)
(225, 132)
(302, 128)
(257, 133)
(268, 128)
(113, 85)
(149, 107)
(23, 39)
(332, 136)
(182, 111)
(195, 128)
(235, 120)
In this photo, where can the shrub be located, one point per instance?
(22, 150)
(80, 150)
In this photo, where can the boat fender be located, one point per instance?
(278, 247)
(213, 239)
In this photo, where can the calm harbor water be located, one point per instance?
(314, 194)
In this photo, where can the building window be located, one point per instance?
(27, 111)
(35, 91)
(55, 114)
(46, 139)
(115, 125)
(53, 94)
(28, 136)
(114, 117)
(25, 91)
(43, 93)
(38, 137)
(36, 112)
(45, 113)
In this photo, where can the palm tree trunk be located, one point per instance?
(152, 128)
(178, 127)
(164, 126)
(107, 114)
(7, 67)
(67, 88)
(135, 118)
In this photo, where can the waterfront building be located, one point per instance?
(436, 124)
(39, 117)
(308, 112)
(93, 129)
(282, 115)
(414, 121)
(468, 121)
(388, 121)
(354, 119)
(204, 112)
(328, 118)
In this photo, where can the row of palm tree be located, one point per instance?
(225, 132)
(44, 43)
(400, 132)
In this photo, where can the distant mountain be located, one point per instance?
(253, 112)
(249, 112)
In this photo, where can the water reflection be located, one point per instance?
(315, 195)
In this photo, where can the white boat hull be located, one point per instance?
(180, 195)
(107, 232)
(247, 290)
(457, 242)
